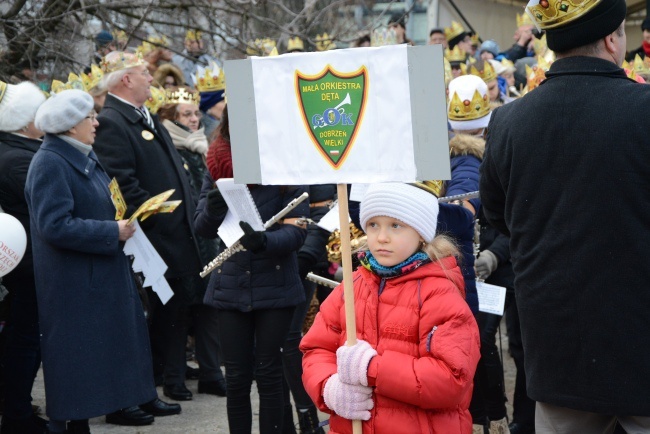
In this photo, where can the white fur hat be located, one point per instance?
(465, 88)
(18, 106)
(63, 111)
(407, 203)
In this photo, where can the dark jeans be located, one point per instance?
(523, 406)
(251, 343)
(22, 356)
(206, 333)
(291, 355)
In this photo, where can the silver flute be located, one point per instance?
(328, 283)
(237, 247)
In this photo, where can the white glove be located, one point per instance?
(485, 264)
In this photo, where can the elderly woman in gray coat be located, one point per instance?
(95, 347)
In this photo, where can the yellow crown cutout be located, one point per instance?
(448, 74)
(640, 67)
(383, 36)
(324, 42)
(120, 36)
(260, 47)
(631, 74)
(91, 80)
(455, 55)
(193, 35)
(468, 110)
(626, 65)
(534, 76)
(3, 89)
(152, 43)
(209, 79)
(453, 31)
(507, 64)
(487, 74)
(475, 39)
(549, 14)
(74, 82)
(182, 96)
(295, 44)
(463, 69)
(156, 100)
(122, 61)
(524, 20)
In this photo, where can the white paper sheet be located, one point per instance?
(357, 191)
(240, 202)
(230, 232)
(491, 298)
(148, 262)
(330, 221)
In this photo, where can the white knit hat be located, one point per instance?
(18, 105)
(406, 203)
(464, 88)
(63, 111)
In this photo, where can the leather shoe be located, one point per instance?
(130, 416)
(519, 428)
(177, 392)
(158, 407)
(217, 387)
(191, 373)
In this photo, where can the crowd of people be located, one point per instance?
(551, 111)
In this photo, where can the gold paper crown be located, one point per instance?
(3, 89)
(487, 74)
(475, 39)
(640, 67)
(456, 55)
(91, 80)
(210, 79)
(631, 74)
(536, 74)
(193, 35)
(524, 20)
(448, 74)
(507, 64)
(453, 31)
(152, 43)
(74, 82)
(156, 100)
(121, 61)
(625, 65)
(295, 44)
(540, 46)
(182, 96)
(324, 42)
(120, 35)
(468, 110)
(549, 14)
(383, 36)
(260, 47)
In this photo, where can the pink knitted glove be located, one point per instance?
(348, 401)
(352, 362)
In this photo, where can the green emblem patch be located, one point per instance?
(332, 105)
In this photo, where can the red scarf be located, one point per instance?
(646, 48)
(219, 159)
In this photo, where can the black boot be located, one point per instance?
(78, 427)
(308, 421)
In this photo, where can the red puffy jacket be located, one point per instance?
(427, 343)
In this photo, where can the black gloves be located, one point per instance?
(216, 203)
(304, 265)
(253, 240)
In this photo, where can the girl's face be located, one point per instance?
(391, 241)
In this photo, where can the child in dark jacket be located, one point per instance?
(411, 370)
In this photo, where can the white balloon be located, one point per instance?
(13, 242)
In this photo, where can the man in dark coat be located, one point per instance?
(565, 175)
(19, 141)
(136, 149)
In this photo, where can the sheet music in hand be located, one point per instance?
(241, 207)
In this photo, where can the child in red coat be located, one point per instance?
(412, 367)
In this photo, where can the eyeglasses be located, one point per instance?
(92, 117)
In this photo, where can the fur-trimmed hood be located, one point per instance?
(464, 144)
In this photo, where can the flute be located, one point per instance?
(237, 247)
(328, 283)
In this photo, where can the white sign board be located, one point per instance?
(358, 115)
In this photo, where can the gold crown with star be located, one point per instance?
(487, 74)
(92, 79)
(468, 110)
(453, 31)
(324, 42)
(209, 79)
(182, 95)
(157, 99)
(121, 60)
(295, 44)
(549, 14)
(456, 55)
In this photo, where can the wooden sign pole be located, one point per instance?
(348, 288)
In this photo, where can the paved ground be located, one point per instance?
(207, 413)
